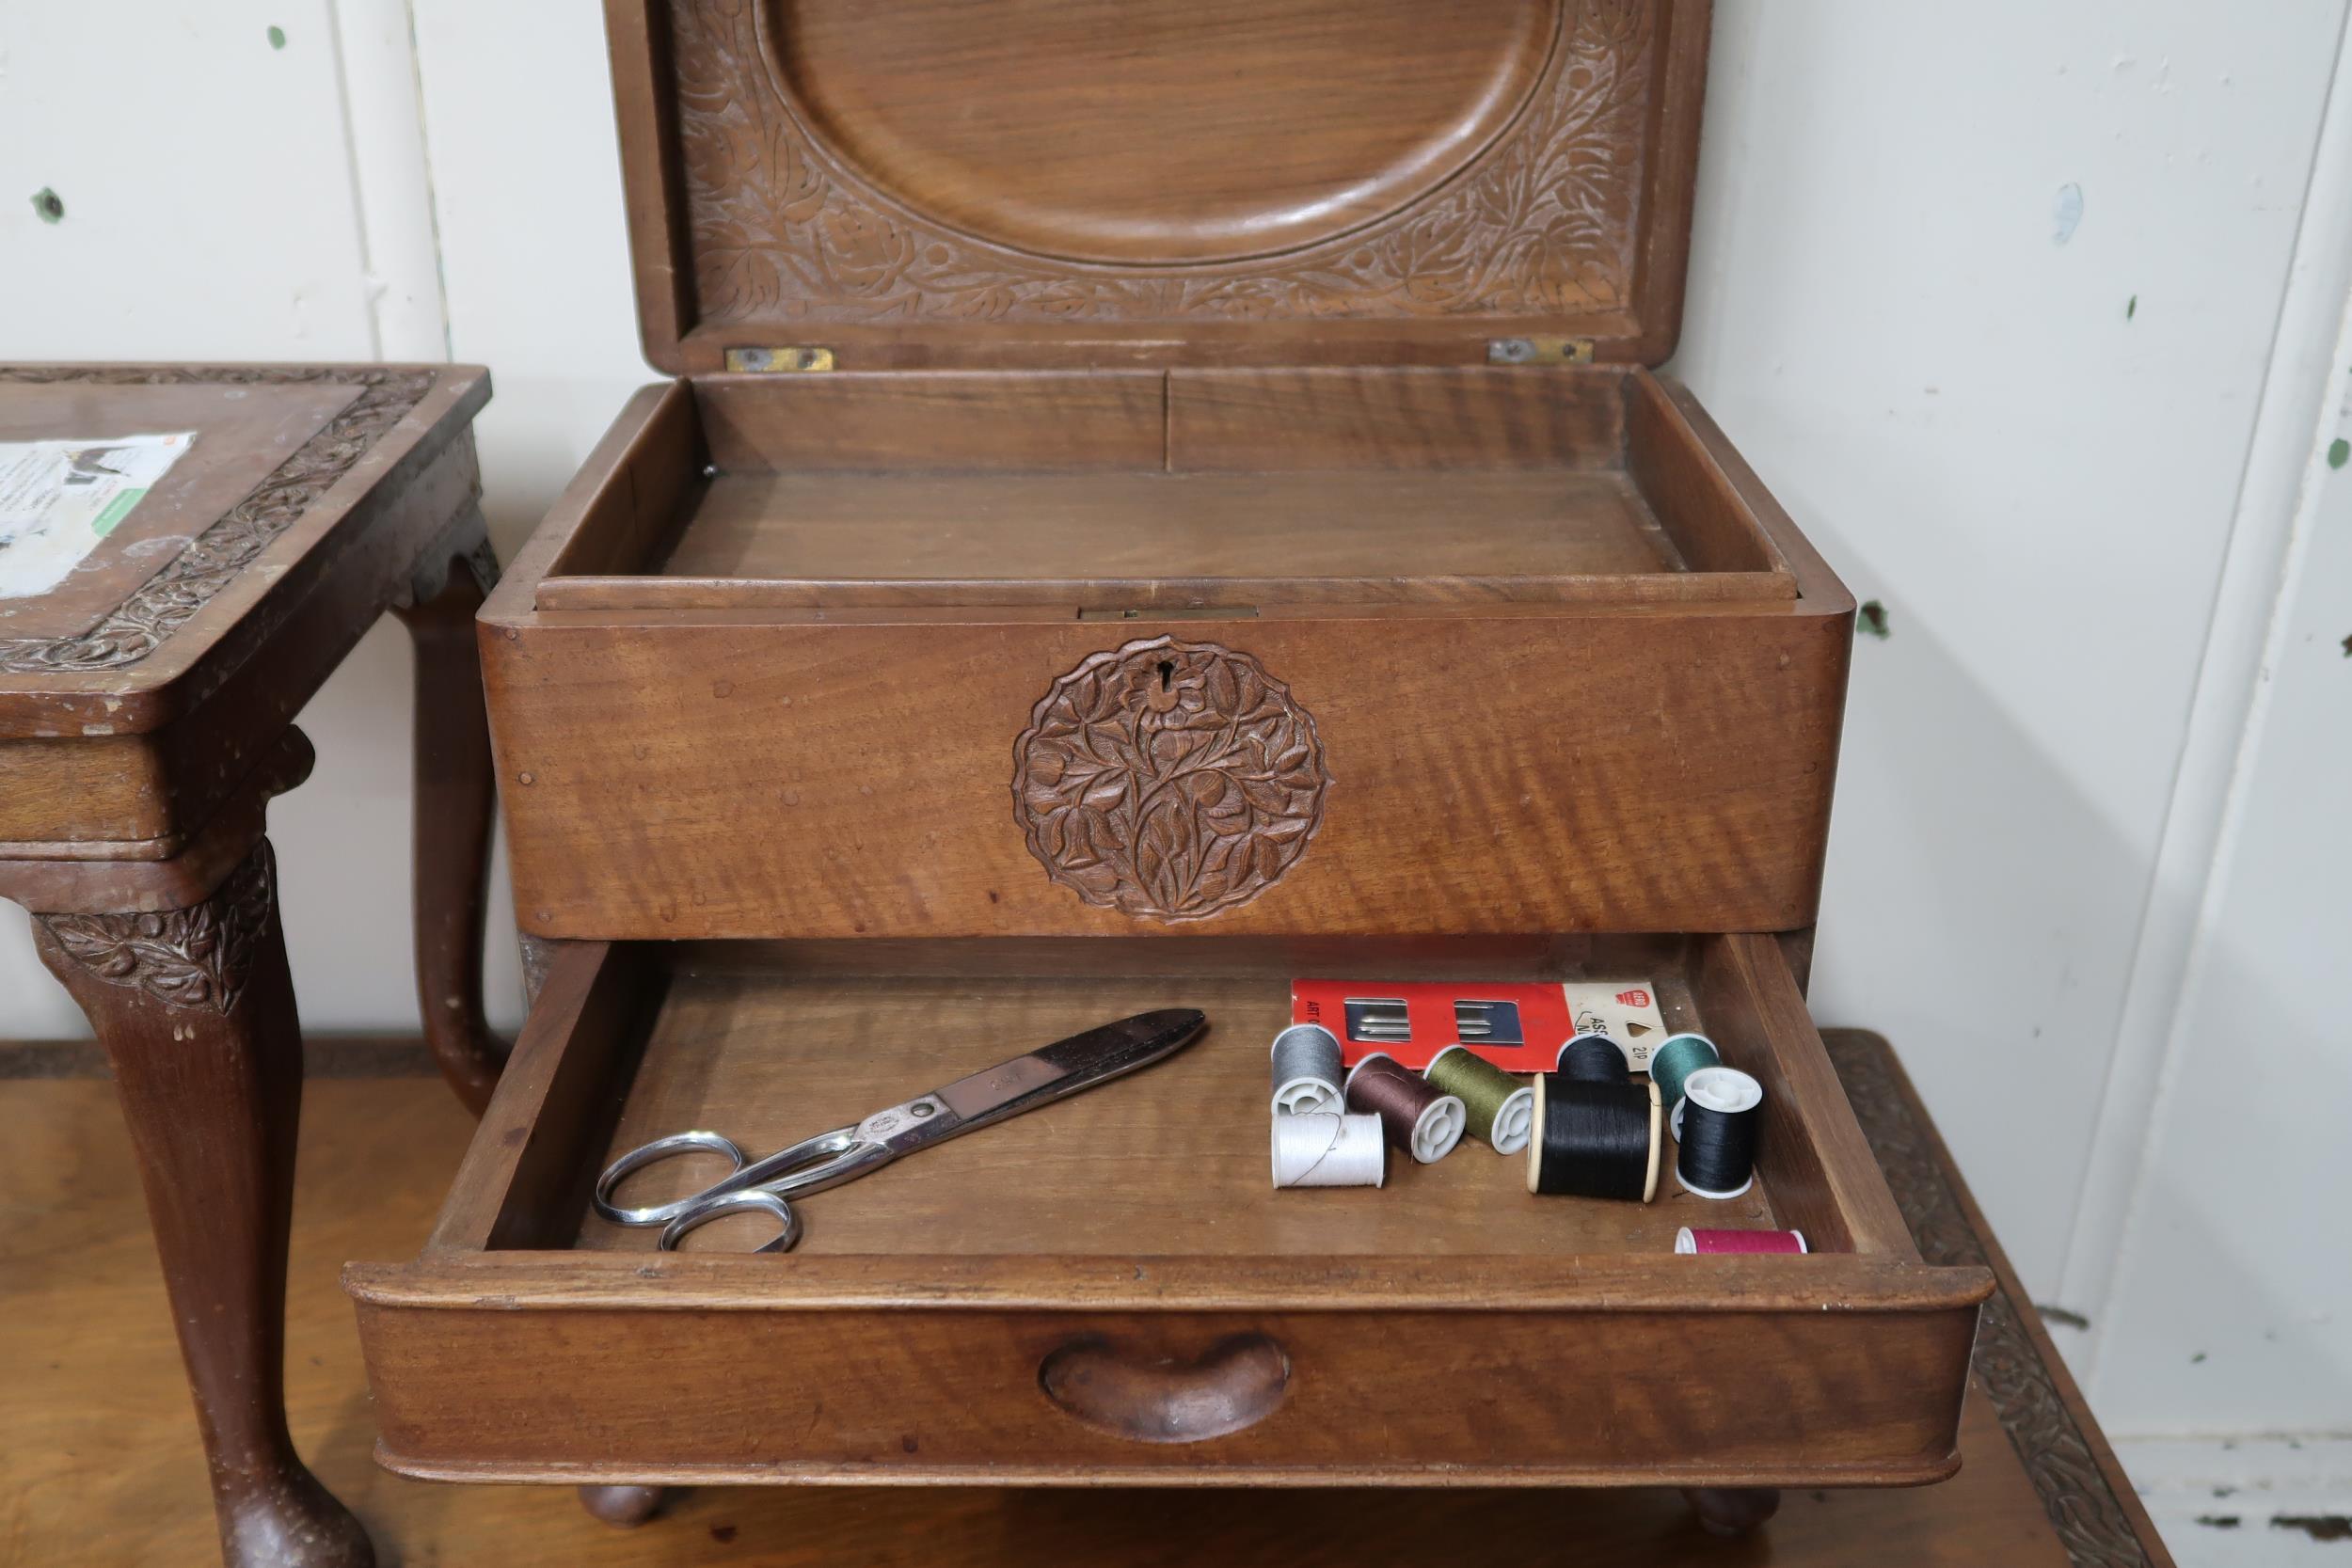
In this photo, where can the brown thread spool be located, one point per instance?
(1418, 1117)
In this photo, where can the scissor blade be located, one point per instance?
(1069, 1066)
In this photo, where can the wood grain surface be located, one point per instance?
(1172, 1159)
(212, 635)
(242, 432)
(1135, 1222)
(83, 1324)
(1158, 183)
(825, 708)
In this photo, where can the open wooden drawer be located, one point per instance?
(1107, 1290)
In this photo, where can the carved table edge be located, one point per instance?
(213, 559)
(108, 886)
(2093, 1508)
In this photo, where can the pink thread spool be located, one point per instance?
(1706, 1244)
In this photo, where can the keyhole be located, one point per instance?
(1161, 698)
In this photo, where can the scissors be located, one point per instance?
(846, 1153)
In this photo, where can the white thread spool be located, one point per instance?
(1325, 1151)
(1306, 1072)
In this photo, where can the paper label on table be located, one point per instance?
(59, 499)
(1625, 1010)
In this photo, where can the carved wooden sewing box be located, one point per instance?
(1156, 499)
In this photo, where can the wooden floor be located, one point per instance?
(99, 1462)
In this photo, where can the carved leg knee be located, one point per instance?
(197, 1011)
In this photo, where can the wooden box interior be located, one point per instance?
(771, 1042)
(1224, 490)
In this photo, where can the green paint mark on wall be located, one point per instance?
(277, 37)
(2133, 309)
(49, 205)
(2339, 452)
(1872, 619)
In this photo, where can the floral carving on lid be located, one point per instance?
(1546, 222)
(1168, 780)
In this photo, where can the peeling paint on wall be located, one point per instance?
(2067, 212)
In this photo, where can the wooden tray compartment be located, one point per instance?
(1113, 491)
(822, 747)
(914, 1333)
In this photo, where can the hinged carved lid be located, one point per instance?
(1084, 182)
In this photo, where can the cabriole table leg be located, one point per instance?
(455, 802)
(196, 1011)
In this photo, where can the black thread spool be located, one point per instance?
(1594, 1140)
(1722, 1111)
(1594, 1059)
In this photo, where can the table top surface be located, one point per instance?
(2038, 1486)
(282, 457)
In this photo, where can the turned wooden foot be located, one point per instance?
(196, 1011)
(624, 1507)
(455, 802)
(1733, 1509)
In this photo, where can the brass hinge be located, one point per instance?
(795, 359)
(1539, 351)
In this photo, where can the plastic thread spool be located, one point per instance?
(1329, 1150)
(1306, 1071)
(1691, 1243)
(1720, 1111)
(1419, 1119)
(1672, 1064)
(1502, 1109)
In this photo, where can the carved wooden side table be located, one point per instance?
(150, 664)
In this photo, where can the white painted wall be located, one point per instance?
(2060, 793)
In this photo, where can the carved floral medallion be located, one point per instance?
(1167, 780)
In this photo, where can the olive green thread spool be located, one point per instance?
(1672, 1064)
(1502, 1109)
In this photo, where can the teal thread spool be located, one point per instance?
(1501, 1108)
(1672, 1064)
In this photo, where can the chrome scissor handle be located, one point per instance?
(810, 1165)
(750, 1200)
(663, 1148)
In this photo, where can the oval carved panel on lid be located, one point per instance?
(1156, 132)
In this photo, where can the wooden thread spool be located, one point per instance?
(1594, 1140)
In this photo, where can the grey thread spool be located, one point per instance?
(1308, 1076)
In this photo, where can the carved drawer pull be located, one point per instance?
(1236, 1383)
